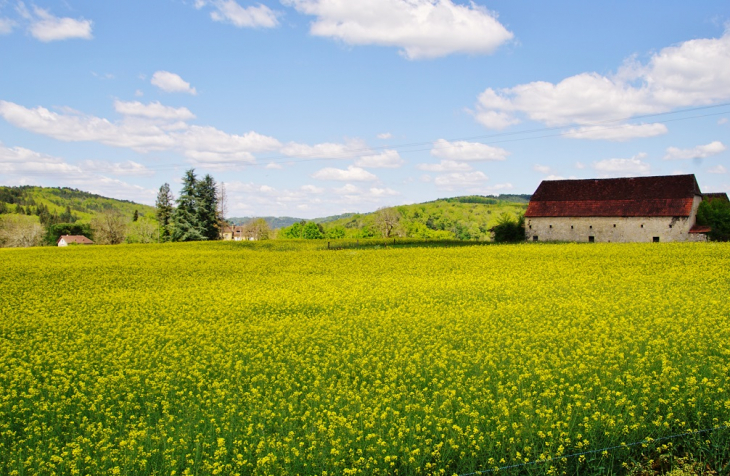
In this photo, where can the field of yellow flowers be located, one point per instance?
(230, 358)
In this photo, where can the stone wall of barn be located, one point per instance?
(613, 229)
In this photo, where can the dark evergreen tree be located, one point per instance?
(165, 211)
(185, 217)
(135, 217)
(206, 203)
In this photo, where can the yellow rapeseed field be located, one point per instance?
(229, 358)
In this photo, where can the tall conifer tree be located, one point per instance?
(207, 208)
(165, 210)
(185, 218)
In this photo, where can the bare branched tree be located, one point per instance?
(222, 206)
(256, 229)
(20, 231)
(110, 227)
(386, 221)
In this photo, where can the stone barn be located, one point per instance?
(638, 209)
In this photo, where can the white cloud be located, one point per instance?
(153, 110)
(74, 127)
(699, 152)
(201, 144)
(274, 166)
(718, 169)
(722, 120)
(580, 165)
(460, 180)
(543, 169)
(467, 151)
(623, 167)
(445, 166)
(171, 83)
(385, 136)
(6, 26)
(388, 159)
(312, 189)
(27, 166)
(115, 168)
(45, 27)
(421, 28)
(229, 11)
(554, 177)
(620, 133)
(327, 150)
(352, 174)
(693, 73)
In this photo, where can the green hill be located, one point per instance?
(64, 205)
(282, 222)
(461, 218)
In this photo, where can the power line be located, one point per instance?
(355, 153)
(425, 146)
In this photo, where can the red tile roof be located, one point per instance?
(621, 197)
(77, 239)
(700, 229)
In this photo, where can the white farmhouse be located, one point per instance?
(66, 240)
(639, 209)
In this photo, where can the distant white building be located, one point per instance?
(66, 240)
(638, 209)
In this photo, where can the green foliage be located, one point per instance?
(312, 231)
(508, 229)
(460, 218)
(206, 204)
(336, 232)
(303, 230)
(716, 215)
(54, 232)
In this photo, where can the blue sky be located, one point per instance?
(315, 107)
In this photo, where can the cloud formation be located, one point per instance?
(693, 73)
(351, 174)
(445, 166)
(420, 28)
(388, 159)
(699, 152)
(6, 26)
(229, 11)
(27, 166)
(153, 110)
(620, 133)
(172, 83)
(45, 27)
(467, 151)
(144, 128)
(623, 167)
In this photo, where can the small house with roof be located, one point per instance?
(636, 209)
(66, 240)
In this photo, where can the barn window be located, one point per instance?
(591, 239)
(571, 227)
(655, 239)
(530, 227)
(614, 225)
(551, 226)
(534, 238)
(590, 227)
(670, 226)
